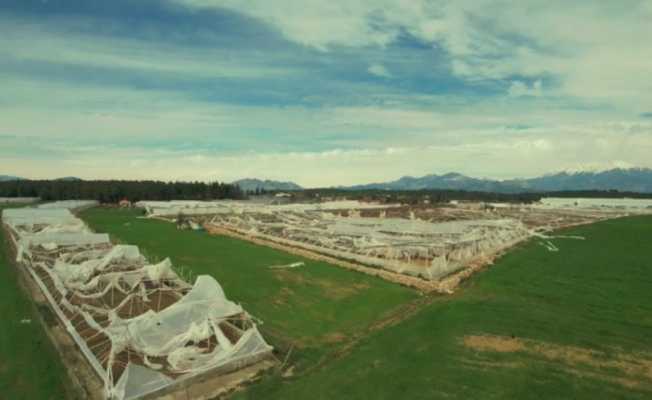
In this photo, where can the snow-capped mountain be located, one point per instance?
(621, 179)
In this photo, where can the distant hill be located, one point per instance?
(451, 181)
(4, 178)
(632, 180)
(253, 184)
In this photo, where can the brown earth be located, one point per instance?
(498, 344)
(636, 369)
(331, 290)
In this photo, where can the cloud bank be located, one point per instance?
(327, 93)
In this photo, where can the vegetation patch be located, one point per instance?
(637, 368)
(331, 289)
(537, 324)
(299, 307)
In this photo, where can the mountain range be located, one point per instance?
(624, 180)
(5, 178)
(250, 185)
(621, 179)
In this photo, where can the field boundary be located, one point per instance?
(445, 285)
(405, 280)
(389, 319)
(85, 383)
(83, 380)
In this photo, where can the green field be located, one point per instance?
(29, 365)
(313, 308)
(573, 324)
(576, 324)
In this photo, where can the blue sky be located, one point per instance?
(323, 93)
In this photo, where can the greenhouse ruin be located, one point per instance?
(425, 242)
(141, 327)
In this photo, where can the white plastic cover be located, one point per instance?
(174, 330)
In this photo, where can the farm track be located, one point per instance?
(389, 319)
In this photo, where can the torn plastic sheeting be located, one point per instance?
(137, 380)
(292, 265)
(157, 333)
(68, 239)
(68, 204)
(95, 281)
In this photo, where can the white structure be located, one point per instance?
(190, 207)
(622, 204)
(408, 246)
(139, 325)
(69, 204)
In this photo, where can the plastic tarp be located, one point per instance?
(173, 208)
(88, 271)
(597, 203)
(159, 333)
(408, 246)
(69, 204)
(138, 380)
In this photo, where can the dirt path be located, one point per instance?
(387, 320)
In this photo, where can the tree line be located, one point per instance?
(112, 191)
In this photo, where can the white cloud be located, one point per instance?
(42, 43)
(494, 153)
(379, 70)
(313, 23)
(592, 51)
(597, 51)
(597, 166)
(518, 89)
(364, 143)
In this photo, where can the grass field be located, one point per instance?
(29, 366)
(314, 308)
(576, 324)
(573, 324)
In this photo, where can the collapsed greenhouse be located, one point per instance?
(412, 247)
(140, 326)
(427, 242)
(402, 245)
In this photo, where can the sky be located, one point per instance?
(322, 93)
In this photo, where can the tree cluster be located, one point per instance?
(112, 191)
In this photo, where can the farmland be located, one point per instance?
(29, 366)
(539, 324)
(311, 307)
(570, 324)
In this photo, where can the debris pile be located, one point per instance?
(421, 242)
(347, 230)
(140, 326)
